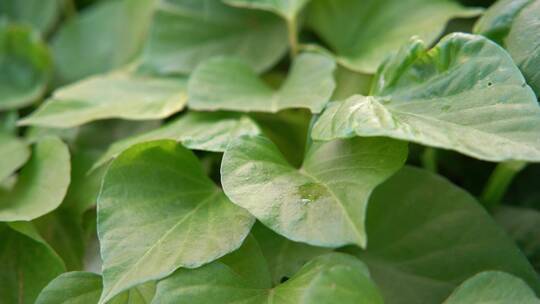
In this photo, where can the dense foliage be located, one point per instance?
(269, 151)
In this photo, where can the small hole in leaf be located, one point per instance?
(490, 84)
(284, 279)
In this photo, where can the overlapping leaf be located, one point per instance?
(465, 94)
(323, 202)
(287, 9)
(426, 236)
(80, 287)
(158, 211)
(331, 278)
(195, 130)
(39, 14)
(106, 36)
(14, 152)
(27, 263)
(185, 33)
(516, 25)
(493, 287)
(363, 33)
(117, 95)
(25, 65)
(230, 84)
(41, 185)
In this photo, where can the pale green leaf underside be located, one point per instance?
(195, 130)
(465, 94)
(14, 152)
(444, 237)
(41, 185)
(117, 95)
(102, 37)
(25, 65)
(27, 263)
(493, 287)
(331, 278)
(322, 203)
(182, 219)
(230, 84)
(185, 33)
(363, 33)
(80, 287)
(288, 9)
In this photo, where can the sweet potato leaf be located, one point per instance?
(14, 153)
(182, 218)
(363, 33)
(288, 9)
(195, 130)
(25, 66)
(230, 84)
(321, 203)
(42, 184)
(426, 236)
(117, 95)
(465, 94)
(185, 33)
(39, 14)
(493, 287)
(330, 278)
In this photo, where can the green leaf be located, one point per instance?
(72, 287)
(493, 287)
(465, 94)
(101, 38)
(426, 236)
(37, 13)
(80, 287)
(288, 9)
(284, 257)
(117, 95)
(331, 278)
(230, 84)
(321, 203)
(42, 184)
(183, 219)
(185, 33)
(363, 33)
(14, 153)
(496, 21)
(523, 226)
(25, 66)
(27, 263)
(523, 43)
(199, 131)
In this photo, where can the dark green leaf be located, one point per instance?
(40, 14)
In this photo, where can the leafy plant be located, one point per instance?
(257, 151)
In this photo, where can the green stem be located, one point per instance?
(70, 9)
(293, 36)
(499, 181)
(429, 159)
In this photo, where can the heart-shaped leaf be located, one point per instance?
(426, 236)
(101, 38)
(515, 24)
(14, 153)
(363, 33)
(331, 278)
(81, 287)
(27, 263)
(323, 202)
(117, 95)
(195, 130)
(25, 65)
(185, 33)
(230, 84)
(41, 185)
(182, 218)
(465, 94)
(493, 287)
